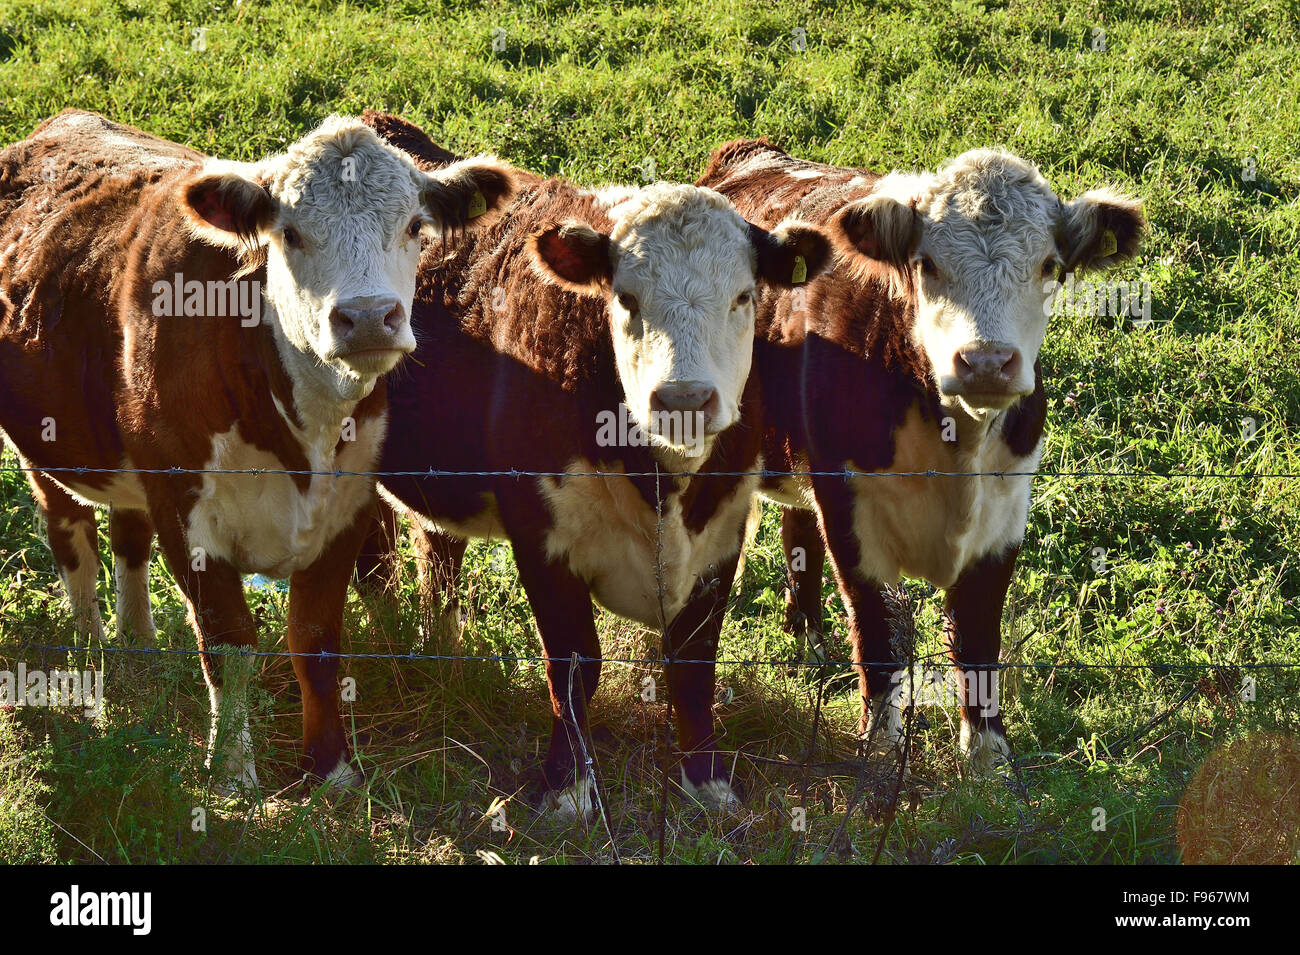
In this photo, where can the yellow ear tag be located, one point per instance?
(477, 205)
(1108, 243)
(800, 273)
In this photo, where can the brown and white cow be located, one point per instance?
(601, 331)
(917, 352)
(161, 309)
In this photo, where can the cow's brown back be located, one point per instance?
(74, 198)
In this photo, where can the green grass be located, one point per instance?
(1200, 570)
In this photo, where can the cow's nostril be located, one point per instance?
(961, 366)
(711, 407)
(1011, 367)
(395, 318)
(342, 323)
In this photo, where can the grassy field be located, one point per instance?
(1192, 105)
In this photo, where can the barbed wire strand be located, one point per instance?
(1165, 667)
(762, 473)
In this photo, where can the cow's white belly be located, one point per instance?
(264, 523)
(934, 527)
(794, 490)
(484, 525)
(123, 489)
(607, 535)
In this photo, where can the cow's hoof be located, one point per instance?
(232, 764)
(576, 803)
(233, 776)
(713, 794)
(343, 777)
(984, 749)
(884, 732)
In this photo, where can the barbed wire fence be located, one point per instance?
(904, 637)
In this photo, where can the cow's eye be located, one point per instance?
(1050, 265)
(291, 238)
(743, 299)
(413, 229)
(629, 302)
(928, 267)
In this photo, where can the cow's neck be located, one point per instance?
(974, 425)
(320, 398)
(672, 461)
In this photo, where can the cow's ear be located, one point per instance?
(228, 209)
(467, 194)
(879, 227)
(1100, 229)
(875, 239)
(574, 256)
(790, 254)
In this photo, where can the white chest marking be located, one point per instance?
(606, 533)
(933, 527)
(263, 523)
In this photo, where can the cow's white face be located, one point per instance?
(339, 217)
(979, 247)
(679, 271)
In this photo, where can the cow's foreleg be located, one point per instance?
(316, 599)
(73, 535)
(130, 533)
(805, 554)
(226, 632)
(880, 723)
(974, 632)
(561, 604)
(214, 596)
(692, 637)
